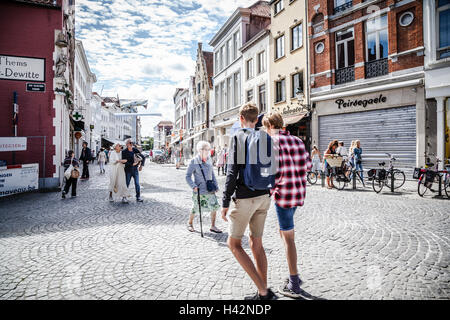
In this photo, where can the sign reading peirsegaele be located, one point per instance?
(360, 102)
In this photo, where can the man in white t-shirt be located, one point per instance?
(341, 150)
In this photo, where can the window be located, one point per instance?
(216, 62)
(249, 68)
(345, 49)
(230, 51)
(279, 47)
(222, 58)
(443, 27)
(297, 83)
(222, 97)
(229, 92)
(237, 88)
(236, 45)
(261, 62)
(377, 38)
(297, 37)
(217, 99)
(280, 91)
(342, 5)
(249, 95)
(320, 47)
(278, 7)
(406, 19)
(262, 98)
(198, 88)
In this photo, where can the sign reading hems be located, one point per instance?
(360, 102)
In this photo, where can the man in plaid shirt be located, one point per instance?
(289, 193)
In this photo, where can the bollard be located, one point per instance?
(354, 179)
(392, 181)
(440, 185)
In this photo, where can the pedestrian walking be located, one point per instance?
(250, 204)
(102, 160)
(70, 160)
(85, 157)
(133, 165)
(316, 159)
(289, 192)
(221, 162)
(117, 177)
(204, 185)
(357, 151)
(331, 151)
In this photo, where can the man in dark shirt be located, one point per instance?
(85, 157)
(250, 209)
(133, 167)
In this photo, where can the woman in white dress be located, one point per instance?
(117, 183)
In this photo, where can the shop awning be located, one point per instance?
(194, 136)
(293, 119)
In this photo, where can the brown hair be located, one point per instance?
(273, 118)
(249, 112)
(332, 143)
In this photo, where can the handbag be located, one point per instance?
(68, 172)
(210, 185)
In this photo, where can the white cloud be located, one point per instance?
(146, 48)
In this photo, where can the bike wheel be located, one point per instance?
(421, 188)
(399, 179)
(312, 177)
(447, 185)
(338, 181)
(377, 185)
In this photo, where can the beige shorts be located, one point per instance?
(249, 212)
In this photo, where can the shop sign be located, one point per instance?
(341, 103)
(13, 144)
(287, 111)
(18, 179)
(22, 68)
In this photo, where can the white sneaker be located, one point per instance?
(111, 199)
(124, 200)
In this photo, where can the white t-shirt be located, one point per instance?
(341, 151)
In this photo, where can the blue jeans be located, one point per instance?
(359, 167)
(285, 217)
(133, 172)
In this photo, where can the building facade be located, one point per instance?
(96, 121)
(84, 80)
(436, 18)
(289, 65)
(240, 28)
(255, 54)
(180, 100)
(367, 78)
(162, 135)
(36, 62)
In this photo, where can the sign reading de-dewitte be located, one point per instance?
(22, 68)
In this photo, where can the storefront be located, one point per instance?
(385, 121)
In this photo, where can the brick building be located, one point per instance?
(37, 64)
(367, 77)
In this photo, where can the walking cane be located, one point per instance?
(200, 211)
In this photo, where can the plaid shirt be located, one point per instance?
(294, 163)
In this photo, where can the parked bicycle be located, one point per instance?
(382, 177)
(427, 177)
(342, 174)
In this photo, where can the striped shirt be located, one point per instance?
(294, 163)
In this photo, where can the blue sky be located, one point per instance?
(144, 49)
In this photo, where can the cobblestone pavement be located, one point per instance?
(351, 244)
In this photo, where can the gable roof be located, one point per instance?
(209, 60)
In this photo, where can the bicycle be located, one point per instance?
(428, 176)
(382, 177)
(342, 174)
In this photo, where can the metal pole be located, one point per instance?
(322, 176)
(392, 180)
(15, 114)
(354, 179)
(440, 185)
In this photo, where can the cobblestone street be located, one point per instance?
(351, 244)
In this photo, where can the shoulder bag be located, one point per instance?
(210, 185)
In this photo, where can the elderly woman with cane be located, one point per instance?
(204, 185)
